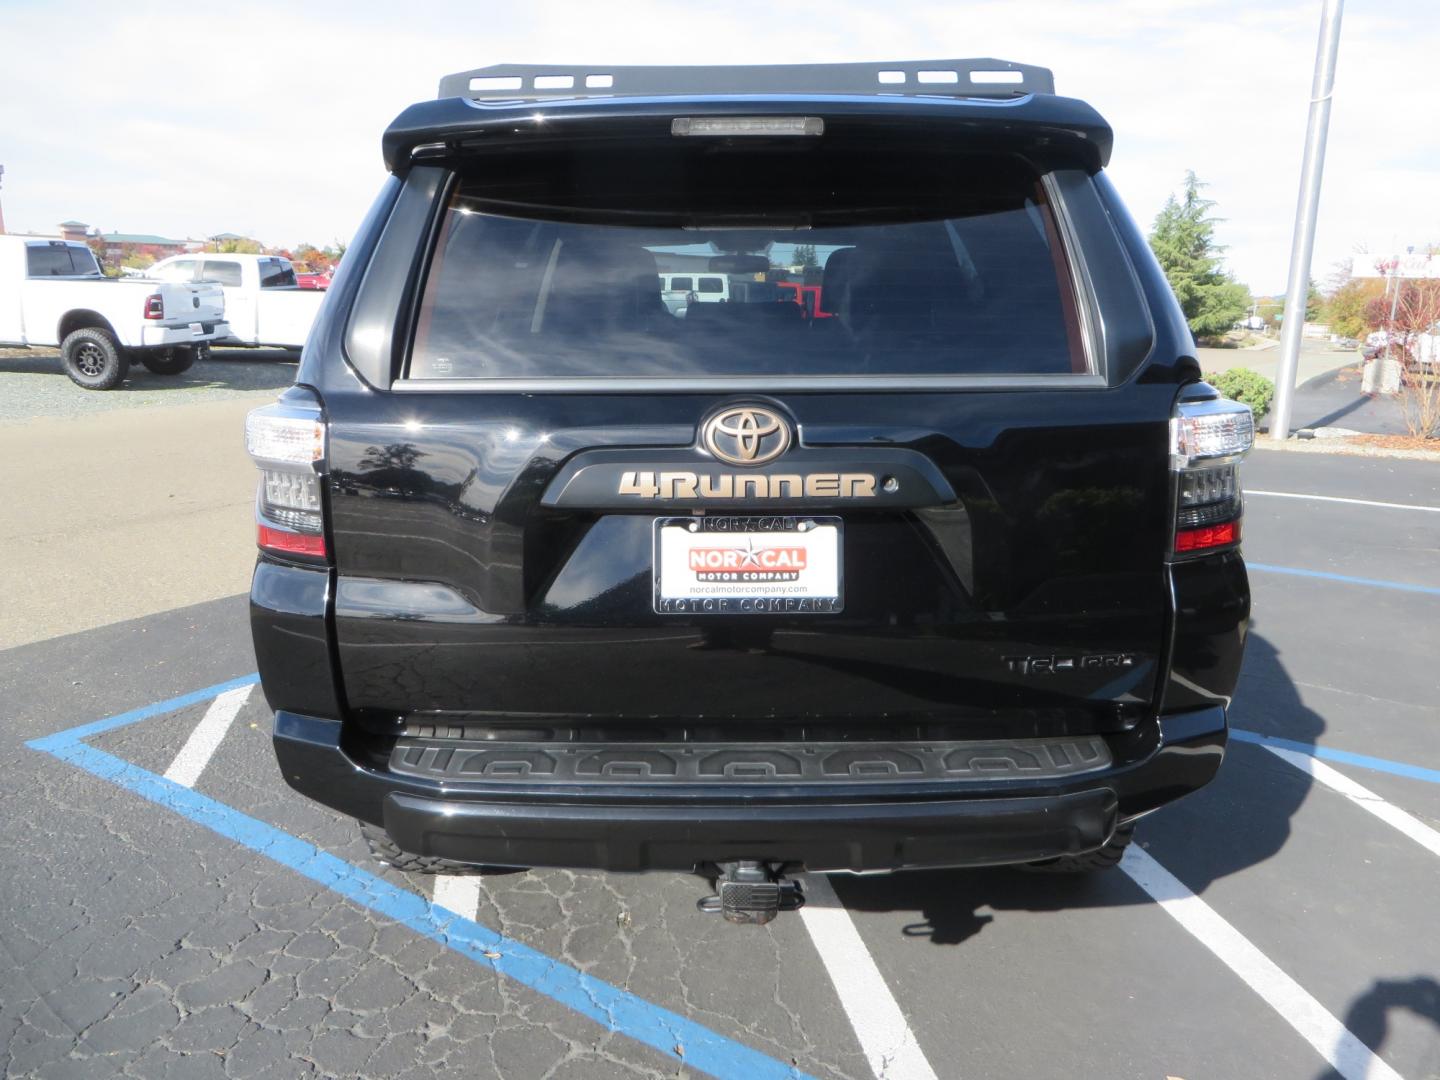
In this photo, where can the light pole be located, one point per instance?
(1303, 245)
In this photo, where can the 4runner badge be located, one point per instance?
(746, 435)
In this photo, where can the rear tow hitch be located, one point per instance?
(751, 892)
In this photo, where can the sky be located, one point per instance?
(265, 118)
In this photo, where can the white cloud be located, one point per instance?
(267, 119)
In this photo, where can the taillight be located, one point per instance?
(154, 306)
(287, 442)
(1208, 439)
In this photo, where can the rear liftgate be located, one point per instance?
(583, 513)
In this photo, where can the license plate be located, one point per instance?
(197, 328)
(714, 565)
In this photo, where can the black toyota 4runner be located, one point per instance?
(747, 470)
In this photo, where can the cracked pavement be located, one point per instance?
(137, 943)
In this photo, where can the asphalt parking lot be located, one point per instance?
(170, 908)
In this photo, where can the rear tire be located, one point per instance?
(385, 852)
(1099, 859)
(172, 361)
(93, 360)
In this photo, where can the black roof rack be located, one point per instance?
(975, 78)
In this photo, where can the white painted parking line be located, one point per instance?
(190, 762)
(1338, 499)
(885, 1037)
(459, 893)
(1362, 797)
(1346, 1054)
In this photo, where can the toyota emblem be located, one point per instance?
(746, 435)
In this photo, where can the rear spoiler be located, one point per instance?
(975, 78)
(1021, 113)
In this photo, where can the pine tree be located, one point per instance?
(1183, 239)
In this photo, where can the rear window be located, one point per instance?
(276, 273)
(223, 272)
(931, 263)
(182, 270)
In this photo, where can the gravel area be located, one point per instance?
(33, 385)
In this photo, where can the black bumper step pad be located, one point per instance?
(709, 763)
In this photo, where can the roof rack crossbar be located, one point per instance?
(973, 78)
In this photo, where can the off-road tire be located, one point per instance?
(1099, 859)
(93, 360)
(171, 361)
(383, 849)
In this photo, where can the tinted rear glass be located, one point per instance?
(928, 264)
(184, 270)
(223, 273)
(275, 274)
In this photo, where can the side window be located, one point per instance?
(711, 285)
(681, 284)
(222, 271)
(183, 270)
(276, 273)
(48, 260)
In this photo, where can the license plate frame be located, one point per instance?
(802, 590)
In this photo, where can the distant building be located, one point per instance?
(118, 245)
(74, 230)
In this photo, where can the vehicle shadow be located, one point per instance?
(1246, 823)
(228, 369)
(1368, 1019)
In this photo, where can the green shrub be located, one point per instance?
(1247, 387)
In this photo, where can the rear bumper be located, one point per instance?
(621, 826)
(156, 336)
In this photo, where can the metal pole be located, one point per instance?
(1303, 245)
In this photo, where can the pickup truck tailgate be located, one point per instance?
(186, 302)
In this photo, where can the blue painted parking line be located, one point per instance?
(134, 716)
(612, 1008)
(1346, 579)
(1345, 757)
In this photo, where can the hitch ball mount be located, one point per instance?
(751, 892)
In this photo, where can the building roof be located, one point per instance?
(229, 236)
(73, 225)
(139, 238)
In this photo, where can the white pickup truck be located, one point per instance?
(52, 293)
(263, 304)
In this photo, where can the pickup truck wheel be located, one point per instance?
(169, 361)
(1099, 859)
(387, 854)
(93, 360)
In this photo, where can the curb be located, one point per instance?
(1344, 448)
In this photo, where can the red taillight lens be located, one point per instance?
(1212, 536)
(1208, 439)
(287, 442)
(154, 306)
(290, 543)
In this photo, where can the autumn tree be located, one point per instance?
(310, 258)
(1415, 332)
(239, 245)
(1183, 240)
(1347, 311)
